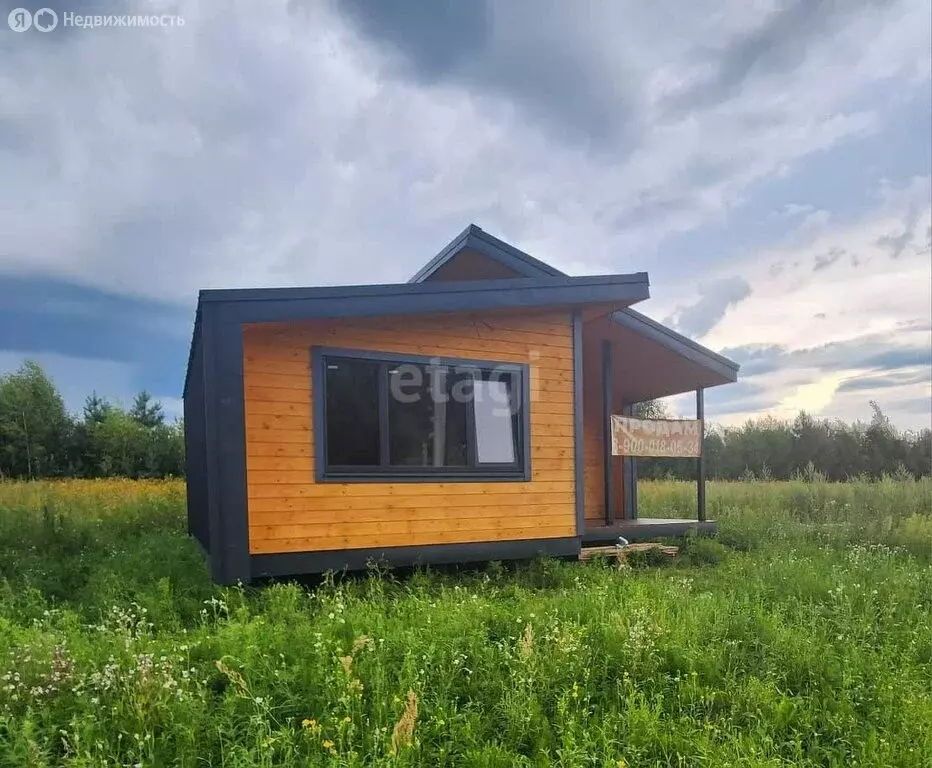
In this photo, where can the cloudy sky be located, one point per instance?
(768, 163)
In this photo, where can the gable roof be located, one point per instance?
(479, 241)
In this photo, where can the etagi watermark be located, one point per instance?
(46, 19)
(460, 384)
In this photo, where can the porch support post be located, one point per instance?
(629, 471)
(607, 431)
(700, 462)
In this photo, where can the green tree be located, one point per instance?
(96, 408)
(146, 411)
(34, 425)
(120, 441)
(650, 409)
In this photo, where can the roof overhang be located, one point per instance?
(677, 343)
(655, 361)
(263, 305)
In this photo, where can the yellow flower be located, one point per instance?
(309, 723)
(327, 744)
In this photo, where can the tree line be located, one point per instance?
(769, 448)
(40, 438)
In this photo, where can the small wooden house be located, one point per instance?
(462, 416)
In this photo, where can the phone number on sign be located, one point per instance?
(639, 446)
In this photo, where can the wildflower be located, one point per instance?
(526, 645)
(327, 744)
(403, 732)
(310, 725)
(362, 642)
(347, 663)
(233, 676)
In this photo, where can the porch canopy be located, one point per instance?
(629, 358)
(650, 360)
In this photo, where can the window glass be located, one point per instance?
(495, 435)
(400, 419)
(426, 426)
(352, 412)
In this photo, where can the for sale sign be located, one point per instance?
(671, 438)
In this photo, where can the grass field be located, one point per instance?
(803, 636)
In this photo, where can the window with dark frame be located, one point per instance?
(400, 419)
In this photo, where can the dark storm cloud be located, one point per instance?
(542, 65)
(740, 397)
(867, 383)
(48, 316)
(715, 299)
(776, 46)
(757, 359)
(875, 352)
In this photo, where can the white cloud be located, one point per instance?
(255, 146)
(840, 307)
(280, 145)
(863, 291)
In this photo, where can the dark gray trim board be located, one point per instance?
(579, 463)
(290, 564)
(226, 448)
(260, 305)
(675, 342)
(195, 447)
(475, 239)
(520, 471)
(637, 282)
(192, 350)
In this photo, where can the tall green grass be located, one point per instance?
(803, 636)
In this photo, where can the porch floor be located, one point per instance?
(646, 528)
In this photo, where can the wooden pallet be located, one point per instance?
(621, 553)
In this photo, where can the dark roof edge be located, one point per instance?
(416, 289)
(290, 305)
(195, 337)
(677, 343)
(476, 239)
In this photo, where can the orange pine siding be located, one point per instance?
(289, 512)
(594, 332)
